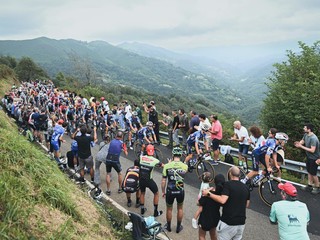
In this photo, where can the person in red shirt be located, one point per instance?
(216, 135)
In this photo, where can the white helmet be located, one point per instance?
(282, 136)
(149, 124)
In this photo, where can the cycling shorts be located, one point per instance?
(55, 146)
(148, 183)
(189, 147)
(113, 164)
(171, 195)
(256, 159)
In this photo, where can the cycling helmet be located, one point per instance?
(134, 113)
(71, 106)
(177, 151)
(205, 127)
(149, 124)
(150, 150)
(282, 136)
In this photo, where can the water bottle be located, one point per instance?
(240, 163)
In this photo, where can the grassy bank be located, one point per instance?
(37, 200)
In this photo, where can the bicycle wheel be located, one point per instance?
(269, 191)
(158, 154)
(204, 166)
(137, 149)
(242, 174)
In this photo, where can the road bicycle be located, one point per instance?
(202, 163)
(267, 186)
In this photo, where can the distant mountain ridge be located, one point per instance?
(117, 65)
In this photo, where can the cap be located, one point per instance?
(150, 150)
(288, 188)
(60, 121)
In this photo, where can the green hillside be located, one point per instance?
(115, 65)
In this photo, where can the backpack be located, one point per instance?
(228, 158)
(130, 181)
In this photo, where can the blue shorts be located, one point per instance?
(189, 147)
(243, 148)
(55, 146)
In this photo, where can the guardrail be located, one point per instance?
(290, 165)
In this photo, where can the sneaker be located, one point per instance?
(143, 210)
(190, 169)
(108, 192)
(137, 205)
(131, 148)
(315, 190)
(307, 188)
(120, 190)
(243, 180)
(80, 181)
(194, 223)
(157, 213)
(166, 227)
(179, 229)
(129, 203)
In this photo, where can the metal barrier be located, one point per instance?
(290, 165)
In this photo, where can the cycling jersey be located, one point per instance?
(268, 148)
(147, 164)
(134, 121)
(175, 172)
(195, 137)
(145, 132)
(58, 131)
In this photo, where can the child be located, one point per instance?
(205, 178)
(209, 212)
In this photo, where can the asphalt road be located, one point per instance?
(257, 223)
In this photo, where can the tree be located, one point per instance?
(28, 70)
(294, 92)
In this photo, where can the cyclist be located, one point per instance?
(146, 135)
(262, 154)
(193, 141)
(147, 164)
(174, 171)
(133, 124)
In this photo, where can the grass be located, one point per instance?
(37, 200)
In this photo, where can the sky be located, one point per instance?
(171, 24)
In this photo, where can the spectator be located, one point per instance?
(175, 128)
(291, 215)
(216, 136)
(194, 121)
(310, 143)
(235, 198)
(153, 117)
(241, 136)
(256, 138)
(167, 121)
(208, 213)
(84, 151)
(183, 126)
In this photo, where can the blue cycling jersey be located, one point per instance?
(268, 148)
(195, 137)
(144, 132)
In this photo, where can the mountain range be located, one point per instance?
(153, 69)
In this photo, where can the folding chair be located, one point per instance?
(140, 229)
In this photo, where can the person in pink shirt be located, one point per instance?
(216, 136)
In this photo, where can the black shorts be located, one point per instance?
(215, 144)
(116, 165)
(256, 159)
(148, 183)
(312, 167)
(171, 195)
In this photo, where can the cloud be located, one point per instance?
(167, 23)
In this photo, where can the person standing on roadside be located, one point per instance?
(291, 215)
(216, 136)
(174, 171)
(194, 121)
(241, 136)
(175, 128)
(167, 121)
(183, 126)
(84, 150)
(235, 198)
(310, 143)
